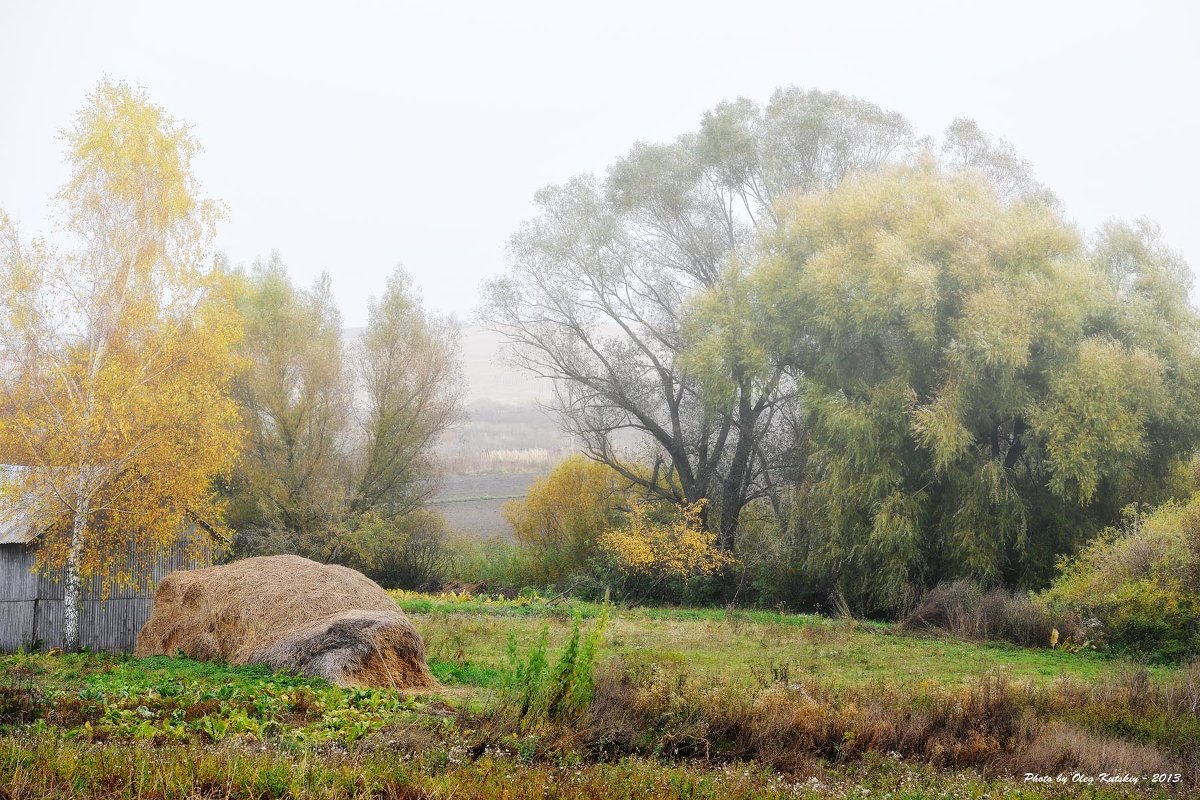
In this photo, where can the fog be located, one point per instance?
(418, 133)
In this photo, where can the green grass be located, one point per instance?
(67, 722)
(454, 673)
(469, 630)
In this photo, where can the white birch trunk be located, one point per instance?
(72, 635)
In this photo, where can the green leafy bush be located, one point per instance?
(406, 552)
(535, 692)
(492, 566)
(1140, 583)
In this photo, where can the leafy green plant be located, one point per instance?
(526, 678)
(539, 693)
(215, 727)
(1140, 582)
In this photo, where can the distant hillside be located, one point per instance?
(507, 430)
(506, 441)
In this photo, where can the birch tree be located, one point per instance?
(117, 352)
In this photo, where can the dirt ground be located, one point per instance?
(473, 504)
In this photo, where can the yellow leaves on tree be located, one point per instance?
(680, 548)
(117, 354)
(563, 514)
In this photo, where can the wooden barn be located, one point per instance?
(31, 605)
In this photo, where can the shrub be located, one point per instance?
(492, 566)
(406, 552)
(563, 514)
(1141, 582)
(965, 609)
(650, 551)
(776, 557)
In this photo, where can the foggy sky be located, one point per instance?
(353, 136)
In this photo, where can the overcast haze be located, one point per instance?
(351, 137)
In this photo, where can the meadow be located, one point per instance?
(680, 703)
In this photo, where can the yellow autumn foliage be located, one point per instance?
(680, 548)
(118, 354)
(563, 514)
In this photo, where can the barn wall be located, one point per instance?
(17, 579)
(31, 607)
(18, 596)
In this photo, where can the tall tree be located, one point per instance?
(982, 390)
(407, 366)
(289, 491)
(965, 147)
(599, 279)
(337, 430)
(117, 354)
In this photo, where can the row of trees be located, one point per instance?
(901, 352)
(149, 391)
(867, 360)
(339, 432)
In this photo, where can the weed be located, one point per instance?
(965, 609)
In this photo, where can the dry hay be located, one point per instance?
(289, 613)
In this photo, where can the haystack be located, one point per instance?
(289, 613)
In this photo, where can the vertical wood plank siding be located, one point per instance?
(31, 606)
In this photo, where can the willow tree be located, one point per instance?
(117, 352)
(408, 367)
(294, 393)
(983, 389)
(600, 278)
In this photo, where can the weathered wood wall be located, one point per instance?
(31, 606)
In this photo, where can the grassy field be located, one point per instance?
(715, 642)
(686, 703)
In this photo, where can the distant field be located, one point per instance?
(473, 504)
(506, 440)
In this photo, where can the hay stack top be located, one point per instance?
(289, 613)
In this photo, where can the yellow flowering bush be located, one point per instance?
(681, 548)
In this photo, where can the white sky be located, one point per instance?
(352, 136)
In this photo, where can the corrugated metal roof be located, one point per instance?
(15, 527)
(14, 532)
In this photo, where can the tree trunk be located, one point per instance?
(733, 489)
(72, 635)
